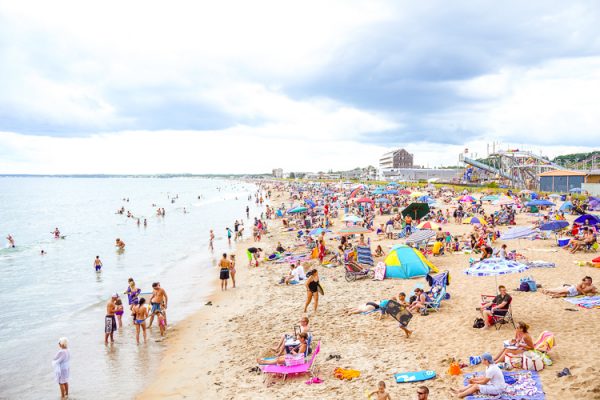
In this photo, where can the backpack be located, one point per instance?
(524, 286)
(531, 285)
(478, 323)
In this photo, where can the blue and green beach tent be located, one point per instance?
(406, 262)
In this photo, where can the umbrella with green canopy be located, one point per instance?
(416, 210)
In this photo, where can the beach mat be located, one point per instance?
(528, 386)
(585, 301)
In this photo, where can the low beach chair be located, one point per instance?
(284, 370)
(499, 320)
(436, 302)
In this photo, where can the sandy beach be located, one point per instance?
(210, 354)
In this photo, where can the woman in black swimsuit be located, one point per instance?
(312, 289)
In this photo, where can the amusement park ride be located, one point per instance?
(514, 168)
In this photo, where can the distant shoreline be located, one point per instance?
(164, 176)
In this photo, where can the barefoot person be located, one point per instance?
(300, 351)
(11, 241)
(312, 289)
(158, 301)
(380, 393)
(110, 323)
(520, 344)
(211, 240)
(584, 288)
(491, 384)
(224, 266)
(140, 314)
(232, 270)
(61, 364)
(119, 244)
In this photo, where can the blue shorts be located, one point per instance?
(98, 268)
(155, 308)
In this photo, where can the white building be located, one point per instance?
(277, 172)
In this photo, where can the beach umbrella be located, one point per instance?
(592, 219)
(538, 202)
(575, 190)
(364, 200)
(554, 226)
(353, 230)
(393, 184)
(567, 205)
(417, 194)
(382, 200)
(428, 225)
(297, 210)
(310, 203)
(495, 266)
(318, 231)
(390, 192)
(405, 262)
(404, 192)
(518, 233)
(352, 218)
(416, 210)
(490, 197)
(420, 236)
(474, 220)
(554, 195)
(378, 191)
(504, 201)
(466, 199)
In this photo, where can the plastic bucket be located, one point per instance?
(563, 242)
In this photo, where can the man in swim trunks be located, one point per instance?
(584, 288)
(253, 254)
(140, 312)
(224, 265)
(120, 244)
(159, 298)
(97, 264)
(110, 323)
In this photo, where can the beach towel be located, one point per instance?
(364, 255)
(346, 374)
(527, 386)
(379, 271)
(585, 301)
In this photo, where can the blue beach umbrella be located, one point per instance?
(554, 226)
(318, 231)
(575, 190)
(310, 203)
(592, 219)
(297, 210)
(390, 192)
(538, 202)
(495, 266)
(566, 206)
(382, 200)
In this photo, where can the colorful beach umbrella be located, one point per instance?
(467, 199)
(591, 218)
(554, 226)
(490, 197)
(406, 262)
(297, 210)
(495, 266)
(353, 230)
(352, 218)
(318, 231)
(420, 236)
(364, 200)
(428, 225)
(404, 192)
(475, 220)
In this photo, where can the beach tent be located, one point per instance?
(405, 262)
(538, 203)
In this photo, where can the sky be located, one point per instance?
(248, 86)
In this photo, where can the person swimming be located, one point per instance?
(11, 241)
(56, 233)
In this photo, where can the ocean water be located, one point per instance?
(44, 297)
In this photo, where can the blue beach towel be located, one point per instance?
(585, 301)
(364, 255)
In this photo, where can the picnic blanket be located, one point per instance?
(528, 386)
(585, 301)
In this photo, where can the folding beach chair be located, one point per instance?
(436, 301)
(285, 370)
(499, 320)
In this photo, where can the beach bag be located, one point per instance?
(524, 287)
(532, 361)
(478, 323)
(514, 360)
(530, 282)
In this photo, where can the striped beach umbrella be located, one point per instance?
(420, 236)
(474, 221)
(495, 266)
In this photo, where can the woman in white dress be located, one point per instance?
(61, 364)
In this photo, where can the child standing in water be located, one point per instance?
(119, 313)
(162, 323)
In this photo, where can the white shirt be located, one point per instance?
(299, 273)
(496, 377)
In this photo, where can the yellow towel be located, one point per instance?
(347, 374)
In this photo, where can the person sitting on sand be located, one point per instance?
(300, 350)
(304, 328)
(380, 393)
(491, 384)
(500, 302)
(379, 251)
(584, 288)
(520, 344)
(420, 301)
